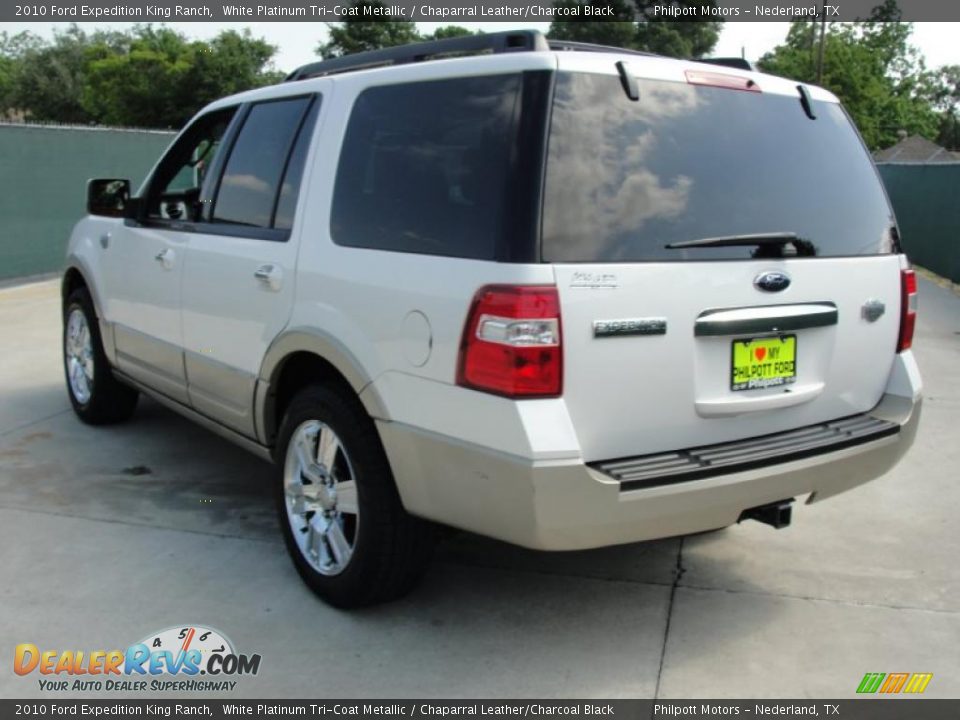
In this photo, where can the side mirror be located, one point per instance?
(108, 197)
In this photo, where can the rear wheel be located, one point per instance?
(348, 535)
(96, 396)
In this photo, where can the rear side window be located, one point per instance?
(251, 180)
(624, 179)
(424, 167)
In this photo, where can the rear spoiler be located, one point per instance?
(734, 62)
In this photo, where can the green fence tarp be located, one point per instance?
(43, 178)
(926, 199)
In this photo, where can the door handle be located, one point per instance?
(165, 257)
(270, 275)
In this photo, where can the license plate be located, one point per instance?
(764, 362)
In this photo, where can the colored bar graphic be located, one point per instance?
(918, 682)
(894, 683)
(871, 682)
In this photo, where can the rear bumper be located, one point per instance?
(568, 505)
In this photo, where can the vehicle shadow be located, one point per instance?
(488, 619)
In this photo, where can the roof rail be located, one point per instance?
(734, 62)
(499, 42)
(590, 47)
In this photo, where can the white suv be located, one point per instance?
(561, 295)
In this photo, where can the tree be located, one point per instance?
(944, 88)
(873, 69)
(678, 38)
(619, 32)
(163, 78)
(638, 25)
(450, 31)
(11, 49)
(144, 76)
(146, 86)
(48, 78)
(945, 96)
(230, 63)
(369, 27)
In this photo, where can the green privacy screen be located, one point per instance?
(926, 199)
(43, 177)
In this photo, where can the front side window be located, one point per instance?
(174, 192)
(424, 167)
(251, 180)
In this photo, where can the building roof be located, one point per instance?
(916, 149)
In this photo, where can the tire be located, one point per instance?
(342, 520)
(95, 394)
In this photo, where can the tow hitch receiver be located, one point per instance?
(775, 514)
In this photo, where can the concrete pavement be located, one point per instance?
(111, 534)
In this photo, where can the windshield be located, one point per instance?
(625, 179)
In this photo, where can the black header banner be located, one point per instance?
(453, 11)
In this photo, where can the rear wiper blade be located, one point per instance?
(762, 240)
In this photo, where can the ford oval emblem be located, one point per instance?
(772, 281)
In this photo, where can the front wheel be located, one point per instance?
(96, 396)
(343, 523)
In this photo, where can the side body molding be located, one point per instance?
(323, 345)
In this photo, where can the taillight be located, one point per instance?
(908, 309)
(511, 342)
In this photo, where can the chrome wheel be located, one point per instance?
(78, 348)
(320, 492)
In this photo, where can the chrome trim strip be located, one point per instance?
(630, 326)
(765, 319)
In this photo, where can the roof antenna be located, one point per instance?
(628, 81)
(806, 102)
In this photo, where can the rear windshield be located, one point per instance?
(624, 179)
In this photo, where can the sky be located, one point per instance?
(297, 41)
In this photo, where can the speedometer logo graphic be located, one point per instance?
(181, 640)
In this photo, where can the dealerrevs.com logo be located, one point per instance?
(170, 660)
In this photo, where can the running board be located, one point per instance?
(203, 421)
(647, 471)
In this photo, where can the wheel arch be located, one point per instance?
(72, 279)
(301, 356)
(78, 275)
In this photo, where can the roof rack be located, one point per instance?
(590, 47)
(499, 42)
